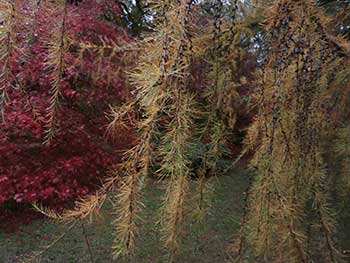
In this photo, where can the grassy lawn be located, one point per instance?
(205, 244)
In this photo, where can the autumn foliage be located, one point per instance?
(77, 157)
(269, 76)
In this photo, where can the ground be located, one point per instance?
(208, 243)
(205, 244)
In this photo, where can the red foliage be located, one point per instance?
(74, 162)
(52, 174)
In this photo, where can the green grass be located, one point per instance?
(206, 244)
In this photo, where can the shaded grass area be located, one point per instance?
(207, 243)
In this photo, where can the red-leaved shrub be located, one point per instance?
(79, 155)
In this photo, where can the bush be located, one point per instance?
(74, 161)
